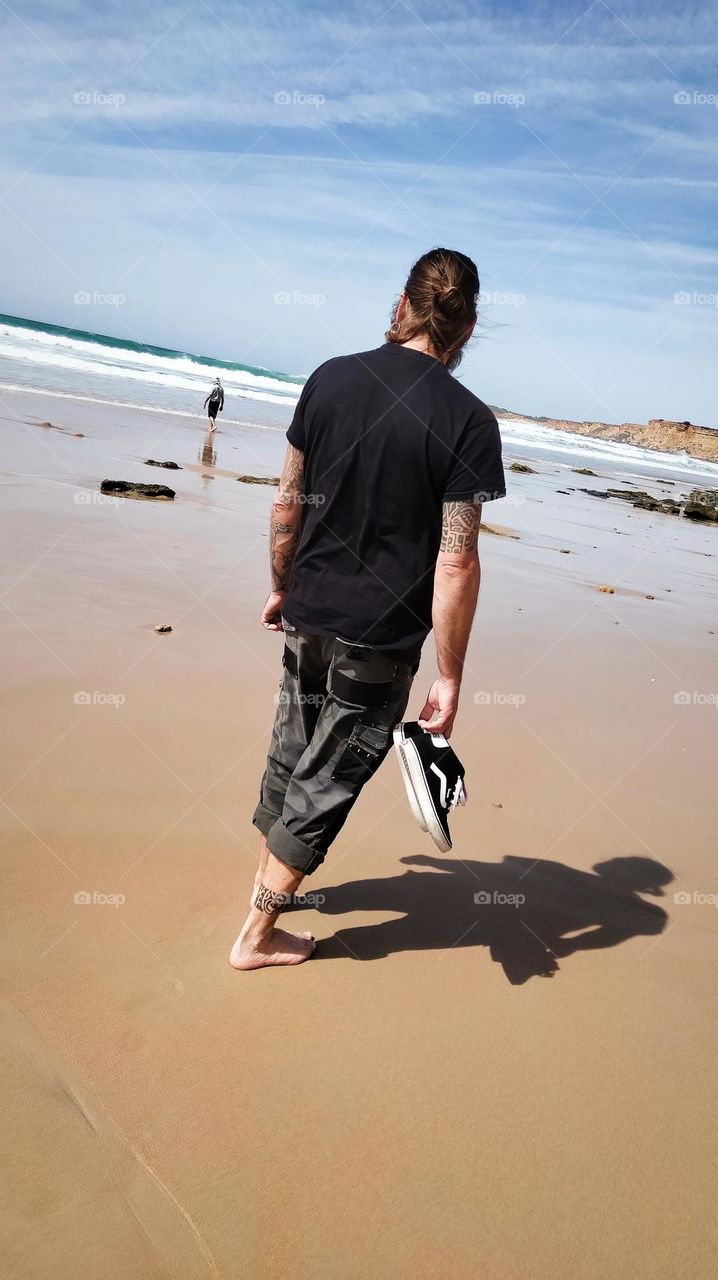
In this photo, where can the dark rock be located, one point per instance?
(259, 479)
(667, 505)
(640, 499)
(562, 491)
(171, 466)
(523, 467)
(637, 495)
(162, 628)
(702, 504)
(131, 489)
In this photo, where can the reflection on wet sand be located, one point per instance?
(208, 454)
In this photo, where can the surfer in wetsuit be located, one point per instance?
(214, 403)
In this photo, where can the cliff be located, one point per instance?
(659, 434)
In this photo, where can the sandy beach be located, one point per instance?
(500, 1063)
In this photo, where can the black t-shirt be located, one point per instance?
(388, 436)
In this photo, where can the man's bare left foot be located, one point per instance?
(279, 948)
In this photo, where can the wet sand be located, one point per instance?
(453, 1086)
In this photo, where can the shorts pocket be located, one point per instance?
(364, 751)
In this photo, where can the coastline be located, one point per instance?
(658, 434)
(516, 1117)
(161, 381)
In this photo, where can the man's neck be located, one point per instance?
(421, 343)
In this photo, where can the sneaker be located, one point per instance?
(433, 776)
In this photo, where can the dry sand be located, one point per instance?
(451, 1087)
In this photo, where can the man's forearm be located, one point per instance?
(456, 592)
(283, 539)
(286, 520)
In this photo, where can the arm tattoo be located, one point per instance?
(286, 518)
(292, 477)
(269, 902)
(460, 527)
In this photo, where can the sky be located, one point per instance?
(254, 182)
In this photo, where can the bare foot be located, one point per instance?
(279, 948)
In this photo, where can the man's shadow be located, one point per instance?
(529, 914)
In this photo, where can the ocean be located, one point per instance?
(96, 368)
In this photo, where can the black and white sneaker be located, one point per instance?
(433, 776)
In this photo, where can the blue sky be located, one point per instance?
(254, 182)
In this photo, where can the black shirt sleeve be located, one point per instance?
(476, 473)
(296, 433)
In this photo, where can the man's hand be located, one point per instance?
(443, 699)
(272, 611)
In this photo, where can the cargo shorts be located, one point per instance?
(337, 705)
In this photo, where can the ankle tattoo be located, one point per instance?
(269, 902)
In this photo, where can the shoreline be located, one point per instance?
(525, 448)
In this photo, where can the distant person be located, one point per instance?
(373, 541)
(214, 403)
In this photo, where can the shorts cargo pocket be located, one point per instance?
(365, 749)
(353, 692)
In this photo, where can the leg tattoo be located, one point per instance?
(269, 902)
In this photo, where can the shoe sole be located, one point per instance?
(418, 794)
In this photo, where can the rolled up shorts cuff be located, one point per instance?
(293, 851)
(263, 819)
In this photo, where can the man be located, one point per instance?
(373, 541)
(214, 403)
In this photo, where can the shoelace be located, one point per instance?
(458, 795)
